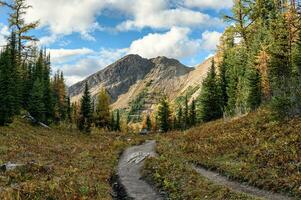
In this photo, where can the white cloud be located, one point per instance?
(4, 32)
(64, 17)
(175, 44)
(166, 19)
(63, 55)
(213, 4)
(210, 40)
(70, 80)
(46, 40)
(90, 64)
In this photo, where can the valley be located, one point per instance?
(75, 166)
(150, 100)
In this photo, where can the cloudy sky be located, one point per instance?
(84, 36)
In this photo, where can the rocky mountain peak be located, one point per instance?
(165, 61)
(125, 78)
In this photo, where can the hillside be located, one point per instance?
(251, 149)
(60, 163)
(131, 76)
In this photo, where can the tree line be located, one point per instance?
(258, 63)
(97, 115)
(27, 86)
(25, 75)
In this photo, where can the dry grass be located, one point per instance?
(60, 163)
(251, 149)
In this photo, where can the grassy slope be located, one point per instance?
(68, 165)
(251, 148)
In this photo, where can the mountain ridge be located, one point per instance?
(129, 76)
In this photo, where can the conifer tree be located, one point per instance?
(9, 82)
(37, 107)
(164, 115)
(180, 125)
(210, 97)
(59, 96)
(19, 26)
(102, 116)
(117, 126)
(192, 113)
(223, 84)
(85, 115)
(297, 57)
(48, 93)
(255, 92)
(186, 113)
(148, 123)
(112, 122)
(69, 110)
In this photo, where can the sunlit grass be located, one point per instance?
(64, 164)
(251, 149)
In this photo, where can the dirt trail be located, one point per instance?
(239, 187)
(129, 175)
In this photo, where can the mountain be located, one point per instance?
(137, 83)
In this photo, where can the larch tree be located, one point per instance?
(102, 115)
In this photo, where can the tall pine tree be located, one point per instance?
(210, 103)
(9, 87)
(164, 115)
(85, 115)
(192, 113)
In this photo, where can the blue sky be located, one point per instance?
(84, 36)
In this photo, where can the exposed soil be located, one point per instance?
(240, 187)
(129, 184)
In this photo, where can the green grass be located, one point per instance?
(251, 149)
(66, 164)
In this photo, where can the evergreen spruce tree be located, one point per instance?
(69, 110)
(192, 113)
(37, 107)
(117, 126)
(223, 84)
(9, 79)
(186, 113)
(164, 115)
(148, 123)
(254, 85)
(112, 122)
(180, 125)
(210, 97)
(280, 67)
(48, 93)
(297, 57)
(85, 115)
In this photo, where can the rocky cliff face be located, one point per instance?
(117, 78)
(132, 75)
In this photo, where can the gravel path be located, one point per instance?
(239, 187)
(129, 168)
